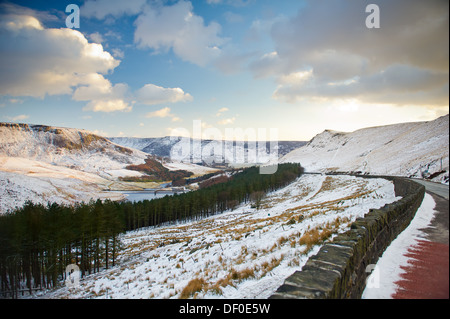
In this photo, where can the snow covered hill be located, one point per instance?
(419, 149)
(72, 148)
(43, 163)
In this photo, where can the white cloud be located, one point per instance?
(100, 132)
(17, 118)
(117, 53)
(261, 28)
(102, 95)
(295, 78)
(96, 37)
(62, 61)
(14, 23)
(267, 65)
(20, 117)
(403, 62)
(227, 121)
(46, 61)
(231, 61)
(15, 101)
(152, 94)
(179, 131)
(165, 112)
(235, 3)
(176, 27)
(221, 111)
(109, 105)
(398, 84)
(116, 8)
(412, 32)
(15, 9)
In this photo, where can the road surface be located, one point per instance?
(435, 188)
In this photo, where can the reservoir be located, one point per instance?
(148, 194)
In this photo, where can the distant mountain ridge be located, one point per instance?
(162, 147)
(158, 146)
(416, 149)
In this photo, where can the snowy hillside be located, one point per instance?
(76, 149)
(42, 163)
(244, 253)
(24, 180)
(155, 146)
(418, 149)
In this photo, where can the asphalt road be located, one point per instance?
(432, 187)
(439, 228)
(435, 188)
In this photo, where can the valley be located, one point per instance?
(235, 242)
(222, 149)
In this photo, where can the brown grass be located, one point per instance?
(194, 286)
(268, 266)
(310, 238)
(232, 278)
(320, 234)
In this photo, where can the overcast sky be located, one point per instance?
(151, 68)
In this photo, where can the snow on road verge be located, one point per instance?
(245, 253)
(381, 283)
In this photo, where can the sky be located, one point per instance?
(277, 70)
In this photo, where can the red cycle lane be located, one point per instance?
(427, 274)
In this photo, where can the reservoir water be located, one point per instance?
(147, 194)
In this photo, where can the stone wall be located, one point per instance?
(338, 270)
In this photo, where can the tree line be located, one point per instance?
(37, 241)
(210, 200)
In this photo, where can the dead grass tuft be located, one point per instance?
(194, 286)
